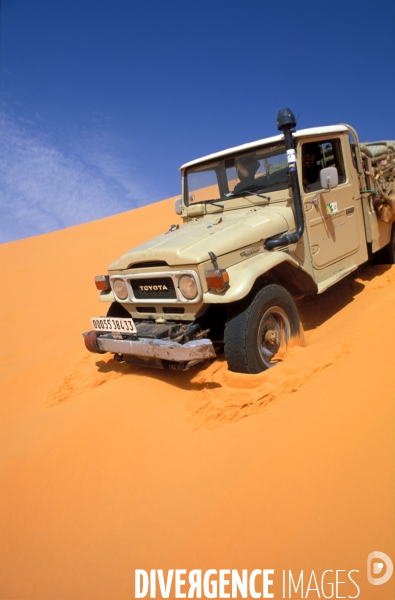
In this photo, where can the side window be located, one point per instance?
(317, 156)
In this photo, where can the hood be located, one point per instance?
(220, 233)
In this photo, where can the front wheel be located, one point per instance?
(257, 335)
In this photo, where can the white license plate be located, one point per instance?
(113, 325)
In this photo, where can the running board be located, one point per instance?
(328, 282)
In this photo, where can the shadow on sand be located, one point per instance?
(184, 380)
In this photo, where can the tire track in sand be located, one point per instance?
(336, 322)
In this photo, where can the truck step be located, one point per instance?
(331, 280)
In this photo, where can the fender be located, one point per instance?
(107, 296)
(243, 275)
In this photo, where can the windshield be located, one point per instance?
(258, 172)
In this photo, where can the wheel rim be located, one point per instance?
(274, 333)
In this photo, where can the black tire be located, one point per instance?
(117, 310)
(386, 255)
(390, 249)
(256, 332)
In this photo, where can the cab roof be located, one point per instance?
(270, 140)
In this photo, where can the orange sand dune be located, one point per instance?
(107, 468)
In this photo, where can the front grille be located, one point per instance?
(157, 288)
(146, 309)
(173, 310)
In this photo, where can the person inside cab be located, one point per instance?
(246, 170)
(311, 170)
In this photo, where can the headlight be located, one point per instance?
(119, 287)
(188, 287)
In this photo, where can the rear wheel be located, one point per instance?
(386, 255)
(257, 334)
(391, 247)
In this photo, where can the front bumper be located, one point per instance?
(151, 348)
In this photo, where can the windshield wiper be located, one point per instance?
(248, 191)
(214, 203)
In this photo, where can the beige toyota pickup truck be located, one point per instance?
(264, 224)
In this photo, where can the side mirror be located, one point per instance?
(329, 178)
(178, 206)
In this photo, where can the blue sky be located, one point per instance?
(103, 100)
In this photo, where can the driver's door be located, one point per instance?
(331, 216)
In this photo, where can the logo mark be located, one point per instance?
(378, 562)
(153, 288)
